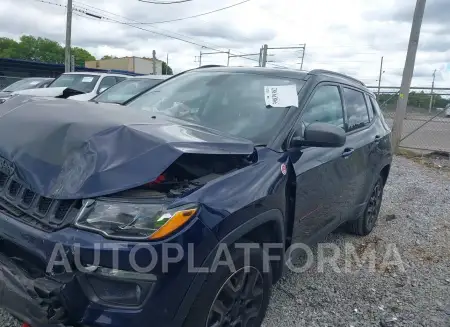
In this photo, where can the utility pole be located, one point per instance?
(167, 64)
(154, 62)
(379, 78)
(200, 59)
(303, 56)
(264, 56)
(260, 56)
(432, 89)
(67, 58)
(228, 60)
(408, 72)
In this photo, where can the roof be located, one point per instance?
(38, 78)
(290, 73)
(95, 73)
(159, 77)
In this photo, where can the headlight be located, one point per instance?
(125, 220)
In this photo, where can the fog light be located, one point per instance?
(117, 292)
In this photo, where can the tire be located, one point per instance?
(366, 223)
(221, 286)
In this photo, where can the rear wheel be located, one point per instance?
(236, 298)
(367, 222)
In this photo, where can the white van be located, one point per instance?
(86, 85)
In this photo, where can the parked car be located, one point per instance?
(210, 158)
(77, 85)
(25, 84)
(447, 112)
(129, 88)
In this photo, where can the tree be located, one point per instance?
(40, 49)
(8, 48)
(166, 70)
(108, 57)
(81, 56)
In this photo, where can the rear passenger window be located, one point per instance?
(325, 107)
(357, 113)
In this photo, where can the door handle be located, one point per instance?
(347, 152)
(377, 139)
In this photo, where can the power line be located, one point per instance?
(85, 11)
(164, 2)
(195, 16)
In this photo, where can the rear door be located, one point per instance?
(321, 175)
(361, 136)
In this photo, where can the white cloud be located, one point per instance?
(349, 36)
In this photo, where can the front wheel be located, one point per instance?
(234, 298)
(364, 225)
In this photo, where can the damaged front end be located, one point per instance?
(81, 173)
(35, 300)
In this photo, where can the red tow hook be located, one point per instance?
(25, 325)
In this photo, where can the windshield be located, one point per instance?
(229, 102)
(79, 82)
(123, 91)
(24, 84)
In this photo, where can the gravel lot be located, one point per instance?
(415, 218)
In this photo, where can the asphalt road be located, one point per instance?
(434, 135)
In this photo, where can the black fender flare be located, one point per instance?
(273, 215)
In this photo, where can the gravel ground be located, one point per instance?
(414, 221)
(415, 218)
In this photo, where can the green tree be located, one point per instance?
(166, 70)
(8, 48)
(81, 55)
(40, 49)
(108, 57)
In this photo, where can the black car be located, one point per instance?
(25, 84)
(208, 161)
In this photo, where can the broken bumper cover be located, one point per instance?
(34, 301)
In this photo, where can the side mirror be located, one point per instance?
(319, 135)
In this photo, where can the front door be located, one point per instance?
(322, 174)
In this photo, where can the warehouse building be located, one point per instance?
(131, 64)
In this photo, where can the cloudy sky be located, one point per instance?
(349, 36)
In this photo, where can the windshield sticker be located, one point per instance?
(34, 82)
(87, 79)
(281, 96)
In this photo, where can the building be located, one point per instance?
(131, 64)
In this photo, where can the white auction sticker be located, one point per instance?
(87, 79)
(34, 82)
(281, 96)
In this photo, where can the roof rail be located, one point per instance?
(324, 71)
(209, 66)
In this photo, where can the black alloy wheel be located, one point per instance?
(239, 300)
(374, 205)
(367, 222)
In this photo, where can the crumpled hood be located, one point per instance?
(70, 150)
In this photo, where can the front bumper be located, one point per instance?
(34, 301)
(68, 299)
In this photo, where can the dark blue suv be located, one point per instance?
(117, 216)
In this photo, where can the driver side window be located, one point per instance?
(325, 106)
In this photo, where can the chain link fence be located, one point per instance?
(7, 80)
(427, 122)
